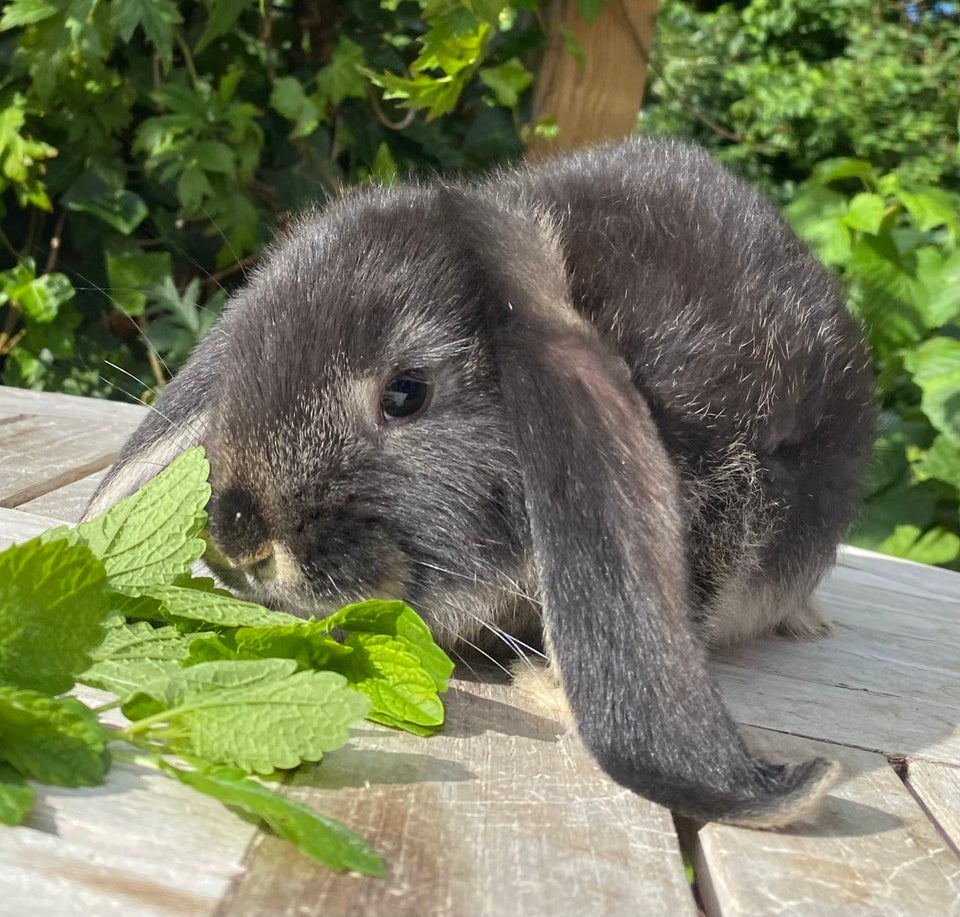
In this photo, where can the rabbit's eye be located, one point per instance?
(405, 394)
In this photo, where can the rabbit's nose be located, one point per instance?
(239, 530)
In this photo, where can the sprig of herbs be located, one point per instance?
(214, 689)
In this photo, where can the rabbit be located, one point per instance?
(612, 394)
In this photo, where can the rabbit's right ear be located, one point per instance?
(604, 514)
(177, 422)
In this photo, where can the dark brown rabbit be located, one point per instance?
(616, 383)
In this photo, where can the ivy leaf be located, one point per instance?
(222, 14)
(53, 600)
(16, 796)
(290, 99)
(153, 536)
(26, 12)
(52, 739)
(39, 298)
(259, 715)
(941, 461)
(321, 838)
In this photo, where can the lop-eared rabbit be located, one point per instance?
(613, 394)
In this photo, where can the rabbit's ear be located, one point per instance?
(177, 422)
(604, 514)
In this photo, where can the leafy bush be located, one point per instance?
(776, 86)
(895, 246)
(149, 147)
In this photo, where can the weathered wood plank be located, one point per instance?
(871, 851)
(16, 526)
(503, 813)
(893, 574)
(15, 401)
(66, 503)
(41, 453)
(937, 786)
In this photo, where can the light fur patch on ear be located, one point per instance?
(536, 682)
(131, 473)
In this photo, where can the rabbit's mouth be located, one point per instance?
(274, 578)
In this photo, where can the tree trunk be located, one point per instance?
(594, 96)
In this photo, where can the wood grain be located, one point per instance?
(41, 453)
(937, 787)
(66, 503)
(503, 813)
(598, 97)
(116, 414)
(871, 851)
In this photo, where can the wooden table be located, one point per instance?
(503, 813)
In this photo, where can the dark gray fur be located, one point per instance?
(650, 411)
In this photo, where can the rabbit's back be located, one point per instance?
(741, 346)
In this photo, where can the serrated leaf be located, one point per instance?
(343, 77)
(52, 739)
(321, 838)
(386, 670)
(180, 603)
(16, 796)
(53, 600)
(156, 17)
(400, 620)
(153, 536)
(260, 715)
(132, 655)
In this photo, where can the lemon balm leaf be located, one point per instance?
(53, 601)
(154, 536)
(319, 837)
(16, 796)
(54, 740)
(260, 715)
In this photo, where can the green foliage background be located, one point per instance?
(149, 148)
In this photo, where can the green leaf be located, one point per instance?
(259, 715)
(16, 796)
(222, 14)
(397, 619)
(507, 81)
(39, 298)
(388, 672)
(156, 17)
(901, 504)
(101, 194)
(132, 273)
(321, 838)
(935, 365)
(817, 214)
(937, 546)
(291, 100)
(53, 600)
(153, 536)
(342, 78)
(132, 655)
(182, 603)
(941, 461)
(26, 12)
(52, 739)
(866, 213)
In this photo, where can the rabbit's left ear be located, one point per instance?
(605, 523)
